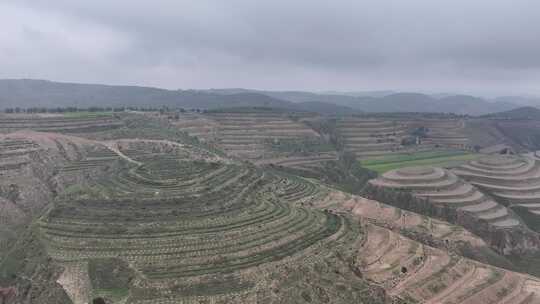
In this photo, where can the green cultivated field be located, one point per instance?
(430, 158)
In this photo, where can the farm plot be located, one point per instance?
(445, 133)
(13, 146)
(28, 163)
(59, 123)
(369, 137)
(513, 180)
(296, 189)
(444, 158)
(197, 125)
(311, 163)
(444, 189)
(144, 149)
(91, 157)
(256, 135)
(419, 273)
(415, 226)
(190, 222)
(15, 153)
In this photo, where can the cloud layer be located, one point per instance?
(483, 46)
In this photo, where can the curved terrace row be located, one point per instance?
(443, 187)
(174, 219)
(514, 180)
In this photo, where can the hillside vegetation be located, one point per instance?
(259, 205)
(445, 158)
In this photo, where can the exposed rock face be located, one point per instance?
(26, 169)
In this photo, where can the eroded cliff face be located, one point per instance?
(516, 240)
(29, 163)
(31, 176)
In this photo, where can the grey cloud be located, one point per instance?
(460, 45)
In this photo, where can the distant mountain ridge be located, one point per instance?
(26, 93)
(522, 113)
(394, 102)
(44, 93)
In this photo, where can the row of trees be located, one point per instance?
(92, 109)
(62, 109)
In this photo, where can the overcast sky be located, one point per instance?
(471, 46)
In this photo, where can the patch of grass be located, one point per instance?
(431, 158)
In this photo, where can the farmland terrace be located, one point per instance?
(370, 137)
(444, 194)
(423, 274)
(58, 123)
(513, 180)
(420, 271)
(446, 133)
(185, 224)
(249, 134)
(29, 181)
(197, 125)
(263, 136)
(146, 214)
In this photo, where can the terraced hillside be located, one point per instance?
(145, 214)
(519, 133)
(443, 187)
(58, 123)
(421, 228)
(30, 180)
(368, 137)
(191, 230)
(250, 134)
(27, 167)
(446, 133)
(197, 125)
(444, 158)
(260, 135)
(522, 134)
(89, 157)
(21, 193)
(447, 196)
(419, 259)
(309, 163)
(423, 274)
(513, 180)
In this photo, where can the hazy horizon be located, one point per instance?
(351, 92)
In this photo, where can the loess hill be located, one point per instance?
(176, 223)
(256, 206)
